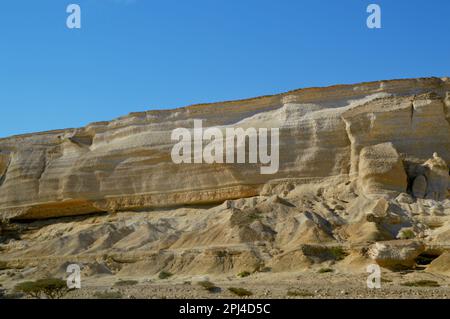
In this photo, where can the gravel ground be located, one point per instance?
(268, 285)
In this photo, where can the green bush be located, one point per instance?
(254, 216)
(338, 253)
(52, 288)
(164, 275)
(243, 274)
(241, 292)
(324, 270)
(407, 234)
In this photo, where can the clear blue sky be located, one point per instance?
(135, 55)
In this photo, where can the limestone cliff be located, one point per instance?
(363, 178)
(376, 136)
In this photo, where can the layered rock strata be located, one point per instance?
(378, 135)
(363, 178)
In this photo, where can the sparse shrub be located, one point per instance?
(164, 275)
(406, 234)
(241, 292)
(338, 253)
(243, 274)
(299, 293)
(209, 286)
(126, 283)
(324, 270)
(254, 216)
(108, 295)
(52, 288)
(323, 252)
(421, 283)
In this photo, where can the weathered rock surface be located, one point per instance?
(441, 265)
(381, 170)
(360, 166)
(431, 179)
(396, 253)
(339, 132)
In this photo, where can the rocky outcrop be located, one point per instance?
(363, 179)
(419, 186)
(432, 179)
(359, 135)
(381, 171)
(441, 265)
(396, 253)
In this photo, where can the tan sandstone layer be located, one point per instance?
(363, 179)
(324, 132)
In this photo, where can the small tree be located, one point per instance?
(52, 288)
(164, 275)
(241, 292)
(29, 288)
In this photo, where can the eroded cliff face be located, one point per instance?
(375, 135)
(363, 177)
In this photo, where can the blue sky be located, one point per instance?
(135, 55)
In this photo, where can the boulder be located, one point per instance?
(438, 177)
(396, 253)
(440, 265)
(381, 171)
(432, 179)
